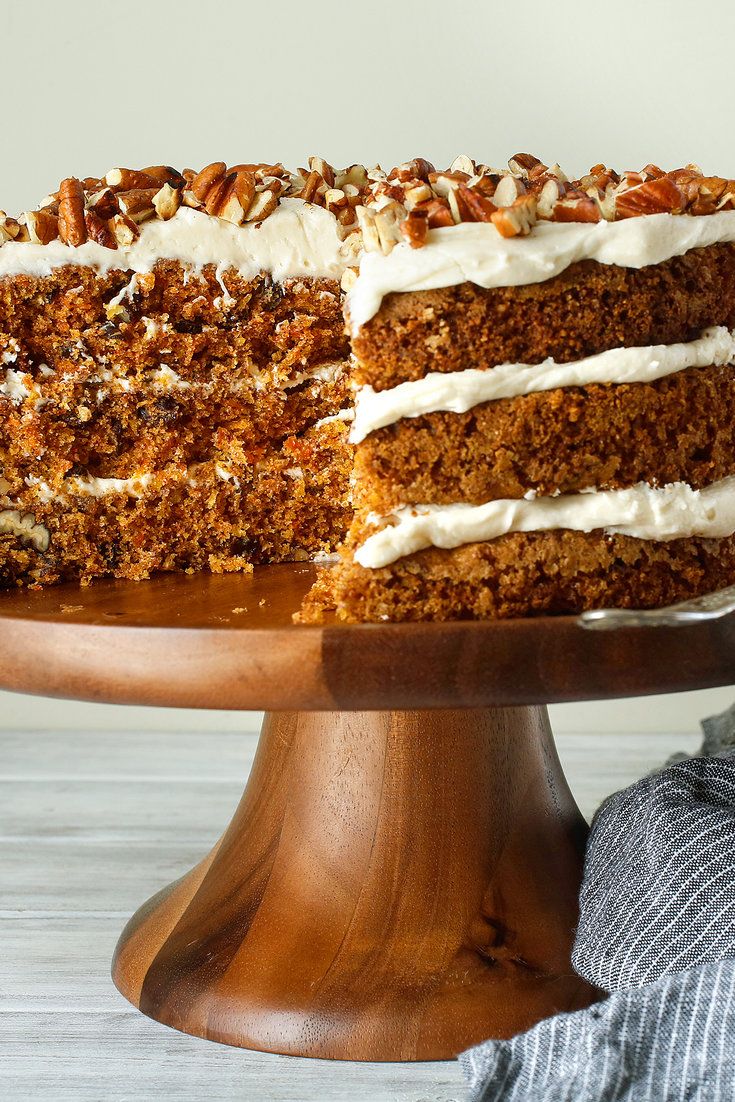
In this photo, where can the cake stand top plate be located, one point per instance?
(228, 642)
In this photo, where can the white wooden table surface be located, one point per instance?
(91, 824)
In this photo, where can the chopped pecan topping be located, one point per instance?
(403, 205)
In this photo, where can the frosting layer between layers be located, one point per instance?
(643, 512)
(459, 391)
(476, 253)
(298, 239)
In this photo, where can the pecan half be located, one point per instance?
(72, 229)
(654, 196)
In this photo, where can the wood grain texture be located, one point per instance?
(123, 1057)
(65, 1032)
(393, 886)
(228, 642)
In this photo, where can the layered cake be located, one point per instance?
(530, 409)
(175, 370)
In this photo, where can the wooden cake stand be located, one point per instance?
(400, 879)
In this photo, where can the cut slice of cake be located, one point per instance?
(175, 371)
(544, 394)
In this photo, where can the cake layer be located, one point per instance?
(588, 308)
(460, 391)
(642, 511)
(680, 428)
(199, 324)
(112, 376)
(97, 427)
(293, 503)
(526, 574)
(480, 253)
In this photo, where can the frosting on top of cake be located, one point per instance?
(459, 391)
(642, 511)
(297, 239)
(475, 252)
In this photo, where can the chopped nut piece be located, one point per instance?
(9, 226)
(138, 203)
(335, 199)
(415, 228)
(23, 526)
(660, 196)
(42, 226)
(366, 221)
(164, 174)
(442, 183)
(264, 203)
(508, 191)
(205, 180)
(320, 166)
(348, 280)
(454, 210)
(577, 208)
(129, 179)
(463, 164)
(547, 199)
(474, 207)
(355, 175)
(518, 219)
(104, 203)
(523, 164)
(313, 181)
(99, 231)
(124, 229)
(416, 195)
(438, 213)
(166, 202)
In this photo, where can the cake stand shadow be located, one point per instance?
(400, 879)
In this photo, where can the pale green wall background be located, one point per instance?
(86, 86)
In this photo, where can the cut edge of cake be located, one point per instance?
(178, 382)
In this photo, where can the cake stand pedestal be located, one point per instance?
(400, 879)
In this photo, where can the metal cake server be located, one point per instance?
(711, 606)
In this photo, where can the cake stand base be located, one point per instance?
(393, 886)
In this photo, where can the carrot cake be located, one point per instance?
(530, 411)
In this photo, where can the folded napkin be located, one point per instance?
(657, 930)
(669, 1040)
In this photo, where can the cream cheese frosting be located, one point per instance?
(298, 239)
(642, 511)
(459, 391)
(475, 252)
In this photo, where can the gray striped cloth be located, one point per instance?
(657, 930)
(673, 1039)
